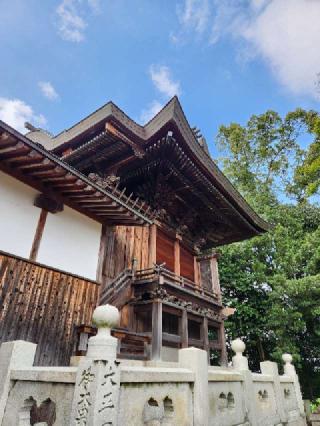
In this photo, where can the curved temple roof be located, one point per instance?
(102, 130)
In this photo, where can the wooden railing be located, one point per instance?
(115, 286)
(169, 277)
(158, 272)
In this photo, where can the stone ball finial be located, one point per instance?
(238, 346)
(106, 316)
(287, 358)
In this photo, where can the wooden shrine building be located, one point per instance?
(132, 212)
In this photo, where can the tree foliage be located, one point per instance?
(273, 280)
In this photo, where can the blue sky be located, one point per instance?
(226, 59)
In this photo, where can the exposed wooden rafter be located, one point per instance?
(41, 169)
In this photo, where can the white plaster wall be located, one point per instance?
(18, 216)
(71, 242)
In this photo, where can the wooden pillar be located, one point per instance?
(106, 257)
(184, 330)
(205, 337)
(196, 271)
(102, 253)
(152, 246)
(38, 235)
(177, 257)
(131, 318)
(215, 275)
(156, 330)
(222, 338)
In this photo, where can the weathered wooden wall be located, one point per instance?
(43, 305)
(165, 250)
(123, 243)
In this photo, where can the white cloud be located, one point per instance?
(283, 33)
(71, 21)
(194, 14)
(71, 25)
(166, 86)
(227, 17)
(161, 78)
(48, 90)
(95, 5)
(286, 35)
(259, 4)
(16, 112)
(153, 108)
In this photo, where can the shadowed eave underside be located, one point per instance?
(34, 165)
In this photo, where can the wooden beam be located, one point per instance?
(26, 161)
(77, 189)
(48, 203)
(50, 171)
(4, 148)
(38, 235)
(215, 276)
(6, 140)
(6, 154)
(196, 272)
(156, 330)
(152, 245)
(31, 166)
(102, 253)
(78, 183)
(138, 151)
(64, 178)
(177, 257)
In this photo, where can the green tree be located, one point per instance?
(273, 280)
(307, 176)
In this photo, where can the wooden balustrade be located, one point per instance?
(119, 283)
(169, 277)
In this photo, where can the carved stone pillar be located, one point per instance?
(97, 388)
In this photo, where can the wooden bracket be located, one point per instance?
(138, 152)
(50, 204)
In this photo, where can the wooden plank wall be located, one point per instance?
(43, 305)
(186, 264)
(123, 244)
(165, 250)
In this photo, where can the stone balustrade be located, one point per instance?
(103, 391)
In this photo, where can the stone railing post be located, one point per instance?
(240, 363)
(13, 355)
(290, 370)
(271, 369)
(196, 360)
(97, 388)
